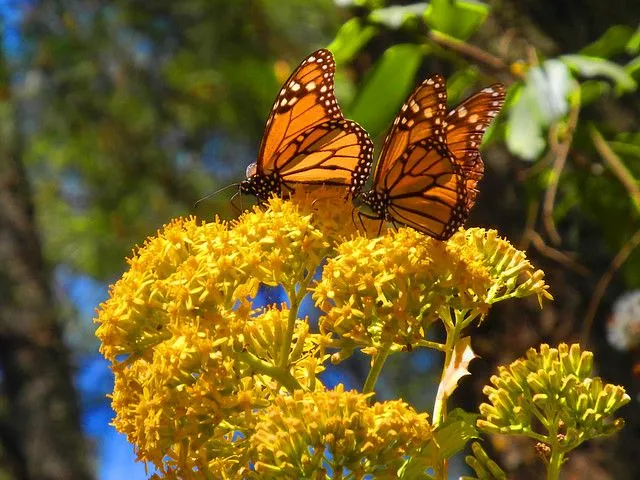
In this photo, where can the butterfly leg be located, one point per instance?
(380, 229)
(364, 228)
(354, 212)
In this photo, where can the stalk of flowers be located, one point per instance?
(382, 294)
(193, 362)
(389, 289)
(206, 386)
(550, 396)
(304, 435)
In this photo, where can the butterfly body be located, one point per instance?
(307, 140)
(430, 164)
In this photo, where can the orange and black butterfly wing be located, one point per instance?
(421, 117)
(306, 139)
(337, 153)
(417, 176)
(465, 126)
(428, 191)
(305, 101)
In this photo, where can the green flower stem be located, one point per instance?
(429, 344)
(281, 375)
(557, 453)
(376, 368)
(453, 329)
(296, 299)
(464, 318)
(555, 463)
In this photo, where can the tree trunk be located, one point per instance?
(40, 430)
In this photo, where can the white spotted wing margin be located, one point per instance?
(307, 140)
(465, 127)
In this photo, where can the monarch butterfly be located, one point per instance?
(429, 168)
(307, 140)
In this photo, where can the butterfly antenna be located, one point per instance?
(214, 193)
(353, 217)
(233, 203)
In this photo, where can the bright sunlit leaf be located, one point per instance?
(351, 37)
(524, 131)
(454, 433)
(551, 85)
(386, 87)
(449, 438)
(633, 45)
(541, 101)
(593, 66)
(394, 17)
(458, 367)
(459, 19)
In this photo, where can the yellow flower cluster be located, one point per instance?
(302, 435)
(206, 386)
(389, 289)
(551, 396)
(265, 334)
(185, 347)
(512, 275)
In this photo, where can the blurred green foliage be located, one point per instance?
(128, 113)
(134, 111)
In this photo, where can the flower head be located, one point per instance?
(264, 334)
(550, 393)
(512, 275)
(306, 433)
(390, 288)
(283, 242)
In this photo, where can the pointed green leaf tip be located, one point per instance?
(482, 465)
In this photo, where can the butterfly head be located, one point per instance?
(262, 186)
(252, 169)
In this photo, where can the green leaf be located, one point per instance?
(483, 466)
(633, 68)
(386, 88)
(459, 19)
(351, 37)
(459, 83)
(541, 101)
(629, 137)
(394, 17)
(626, 149)
(591, 90)
(633, 46)
(449, 438)
(612, 42)
(454, 433)
(593, 66)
